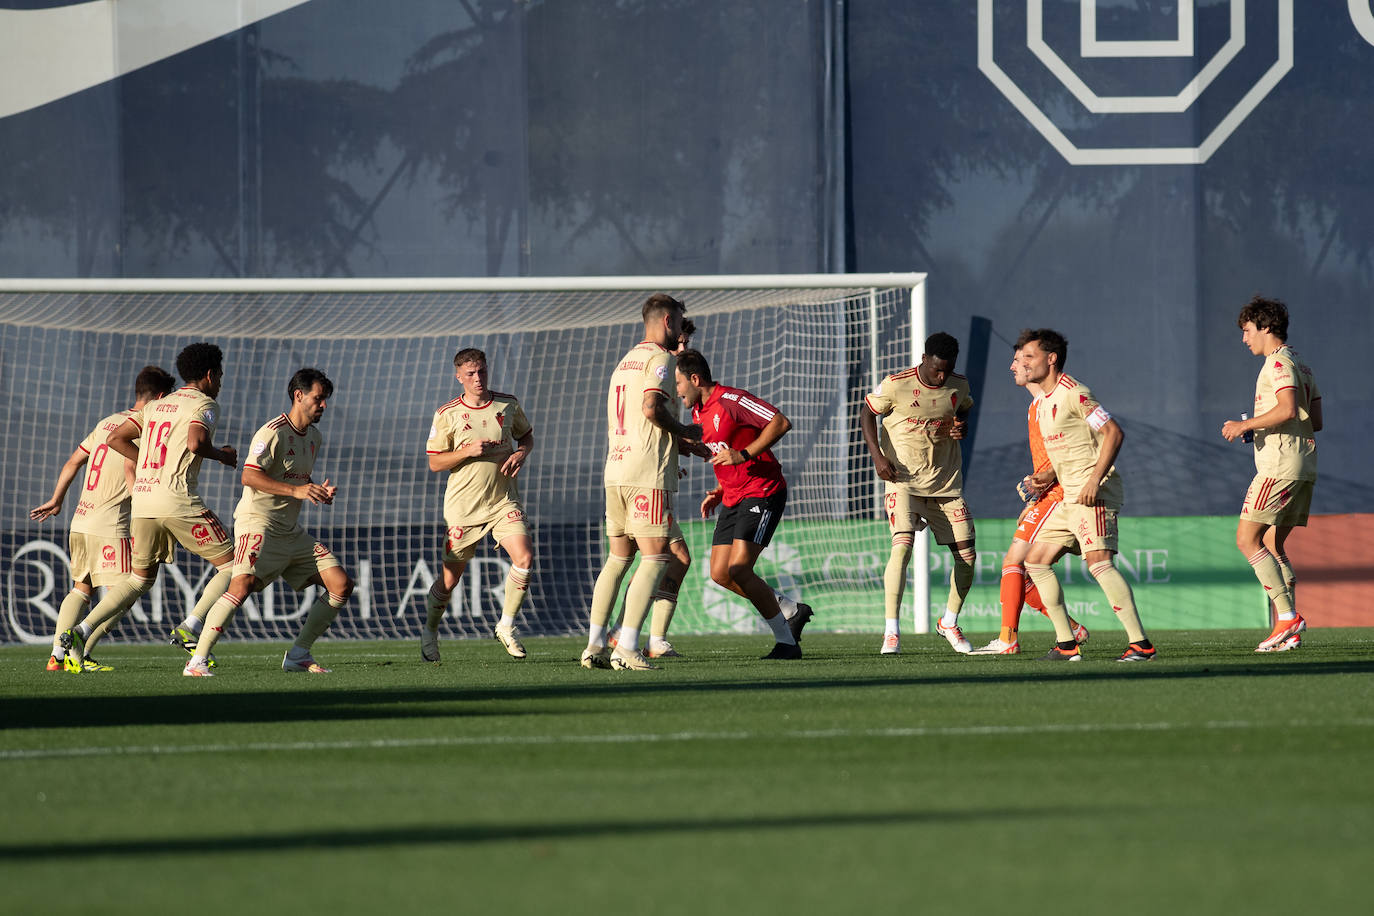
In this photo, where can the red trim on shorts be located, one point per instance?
(213, 521)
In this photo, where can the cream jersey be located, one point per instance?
(166, 485)
(916, 419)
(640, 454)
(283, 453)
(476, 486)
(104, 505)
(1070, 421)
(1287, 451)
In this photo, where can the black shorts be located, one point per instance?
(751, 519)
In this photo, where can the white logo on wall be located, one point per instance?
(49, 53)
(1261, 44)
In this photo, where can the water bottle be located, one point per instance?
(1249, 435)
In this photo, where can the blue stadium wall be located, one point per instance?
(1107, 168)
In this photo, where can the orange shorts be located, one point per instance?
(1034, 517)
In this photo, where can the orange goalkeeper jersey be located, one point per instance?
(1039, 457)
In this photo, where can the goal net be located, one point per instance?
(812, 345)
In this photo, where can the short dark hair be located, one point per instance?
(691, 362)
(689, 327)
(468, 355)
(1268, 315)
(197, 360)
(660, 304)
(153, 382)
(305, 379)
(1050, 340)
(942, 346)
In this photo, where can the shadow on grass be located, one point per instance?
(485, 833)
(444, 702)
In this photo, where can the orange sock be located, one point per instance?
(1032, 596)
(1014, 583)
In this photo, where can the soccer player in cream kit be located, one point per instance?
(643, 437)
(924, 413)
(270, 542)
(100, 545)
(480, 439)
(1287, 417)
(1082, 441)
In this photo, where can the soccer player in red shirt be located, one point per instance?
(739, 429)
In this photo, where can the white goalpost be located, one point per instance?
(811, 344)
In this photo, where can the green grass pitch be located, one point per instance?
(1210, 780)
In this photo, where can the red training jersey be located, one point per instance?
(732, 418)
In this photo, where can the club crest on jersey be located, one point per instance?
(1082, 399)
(108, 552)
(201, 532)
(954, 400)
(716, 420)
(1054, 411)
(501, 420)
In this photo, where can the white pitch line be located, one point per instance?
(945, 731)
